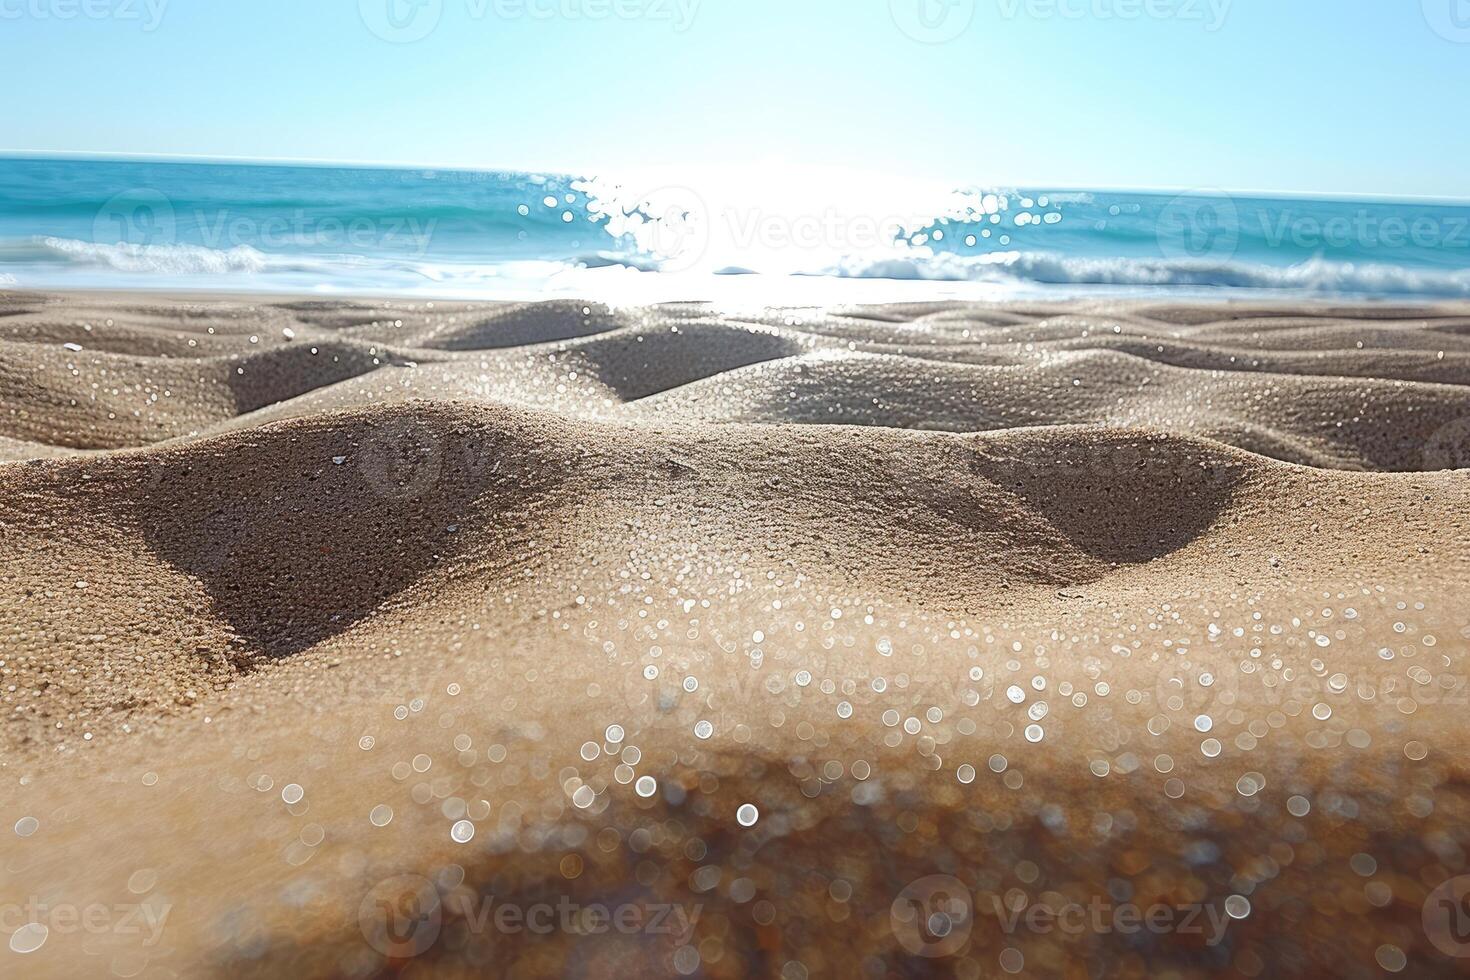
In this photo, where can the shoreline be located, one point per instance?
(1286, 302)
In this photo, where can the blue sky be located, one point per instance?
(1327, 96)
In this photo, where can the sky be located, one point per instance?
(1293, 96)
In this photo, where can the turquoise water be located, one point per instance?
(90, 223)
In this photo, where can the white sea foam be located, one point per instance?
(1316, 276)
(56, 262)
(159, 259)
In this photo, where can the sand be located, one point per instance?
(1062, 639)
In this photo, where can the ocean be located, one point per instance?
(786, 235)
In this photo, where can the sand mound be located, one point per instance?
(1365, 390)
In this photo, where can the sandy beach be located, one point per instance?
(371, 638)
